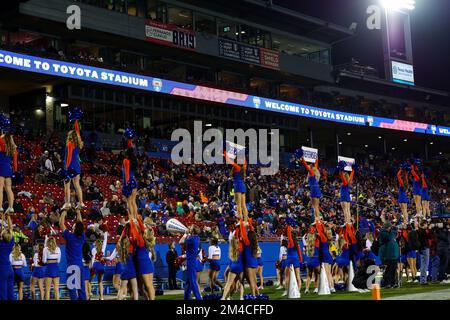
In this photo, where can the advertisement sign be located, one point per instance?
(402, 73)
(28, 63)
(249, 54)
(348, 161)
(310, 154)
(169, 35)
(233, 149)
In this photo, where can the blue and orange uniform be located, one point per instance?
(425, 195)
(312, 181)
(402, 197)
(128, 178)
(238, 175)
(8, 164)
(129, 268)
(417, 188)
(38, 267)
(294, 255)
(250, 261)
(324, 252)
(312, 262)
(144, 264)
(237, 267)
(343, 259)
(410, 253)
(72, 159)
(345, 186)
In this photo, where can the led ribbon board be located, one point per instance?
(111, 77)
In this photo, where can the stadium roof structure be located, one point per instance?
(275, 17)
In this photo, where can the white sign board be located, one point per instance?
(233, 149)
(402, 73)
(310, 154)
(349, 162)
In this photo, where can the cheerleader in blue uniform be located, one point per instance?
(345, 199)
(250, 256)
(239, 175)
(98, 261)
(425, 197)
(417, 189)
(402, 261)
(8, 165)
(325, 257)
(311, 246)
(115, 259)
(38, 272)
(313, 182)
(6, 270)
(51, 257)
(411, 254)
(18, 262)
(402, 197)
(214, 255)
(72, 168)
(144, 251)
(343, 259)
(236, 255)
(294, 258)
(199, 264)
(87, 262)
(282, 263)
(129, 184)
(259, 270)
(129, 274)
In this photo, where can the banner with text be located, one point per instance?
(310, 154)
(348, 161)
(170, 35)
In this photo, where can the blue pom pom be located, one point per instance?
(75, 114)
(341, 165)
(17, 178)
(129, 133)
(355, 167)
(299, 153)
(5, 122)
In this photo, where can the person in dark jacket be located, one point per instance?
(443, 249)
(424, 251)
(389, 253)
(170, 260)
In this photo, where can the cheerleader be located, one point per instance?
(411, 254)
(282, 262)
(38, 272)
(6, 270)
(343, 259)
(294, 258)
(236, 267)
(87, 261)
(8, 154)
(324, 253)
(313, 182)
(250, 256)
(200, 264)
(129, 185)
(191, 241)
(18, 262)
(417, 190)
(143, 255)
(259, 270)
(214, 255)
(425, 197)
(402, 197)
(129, 271)
(239, 175)
(51, 257)
(312, 261)
(98, 261)
(114, 257)
(72, 167)
(345, 190)
(402, 261)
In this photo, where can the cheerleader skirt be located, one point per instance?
(52, 270)
(129, 270)
(19, 276)
(98, 267)
(425, 195)
(250, 260)
(214, 265)
(325, 255)
(239, 186)
(118, 269)
(143, 263)
(38, 272)
(199, 266)
(343, 260)
(345, 194)
(260, 262)
(237, 266)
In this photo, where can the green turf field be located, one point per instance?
(406, 289)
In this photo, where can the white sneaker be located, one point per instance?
(332, 290)
(306, 291)
(261, 288)
(66, 206)
(445, 281)
(316, 290)
(80, 206)
(9, 211)
(284, 294)
(416, 281)
(409, 281)
(279, 287)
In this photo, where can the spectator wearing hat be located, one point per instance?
(389, 253)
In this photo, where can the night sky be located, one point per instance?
(430, 28)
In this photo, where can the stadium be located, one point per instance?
(92, 94)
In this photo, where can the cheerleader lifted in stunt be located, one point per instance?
(402, 178)
(347, 181)
(417, 188)
(129, 166)
(239, 174)
(8, 156)
(313, 182)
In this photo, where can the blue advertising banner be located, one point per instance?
(117, 78)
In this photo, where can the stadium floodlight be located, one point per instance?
(399, 4)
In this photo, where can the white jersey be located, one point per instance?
(283, 253)
(214, 253)
(21, 262)
(49, 257)
(36, 260)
